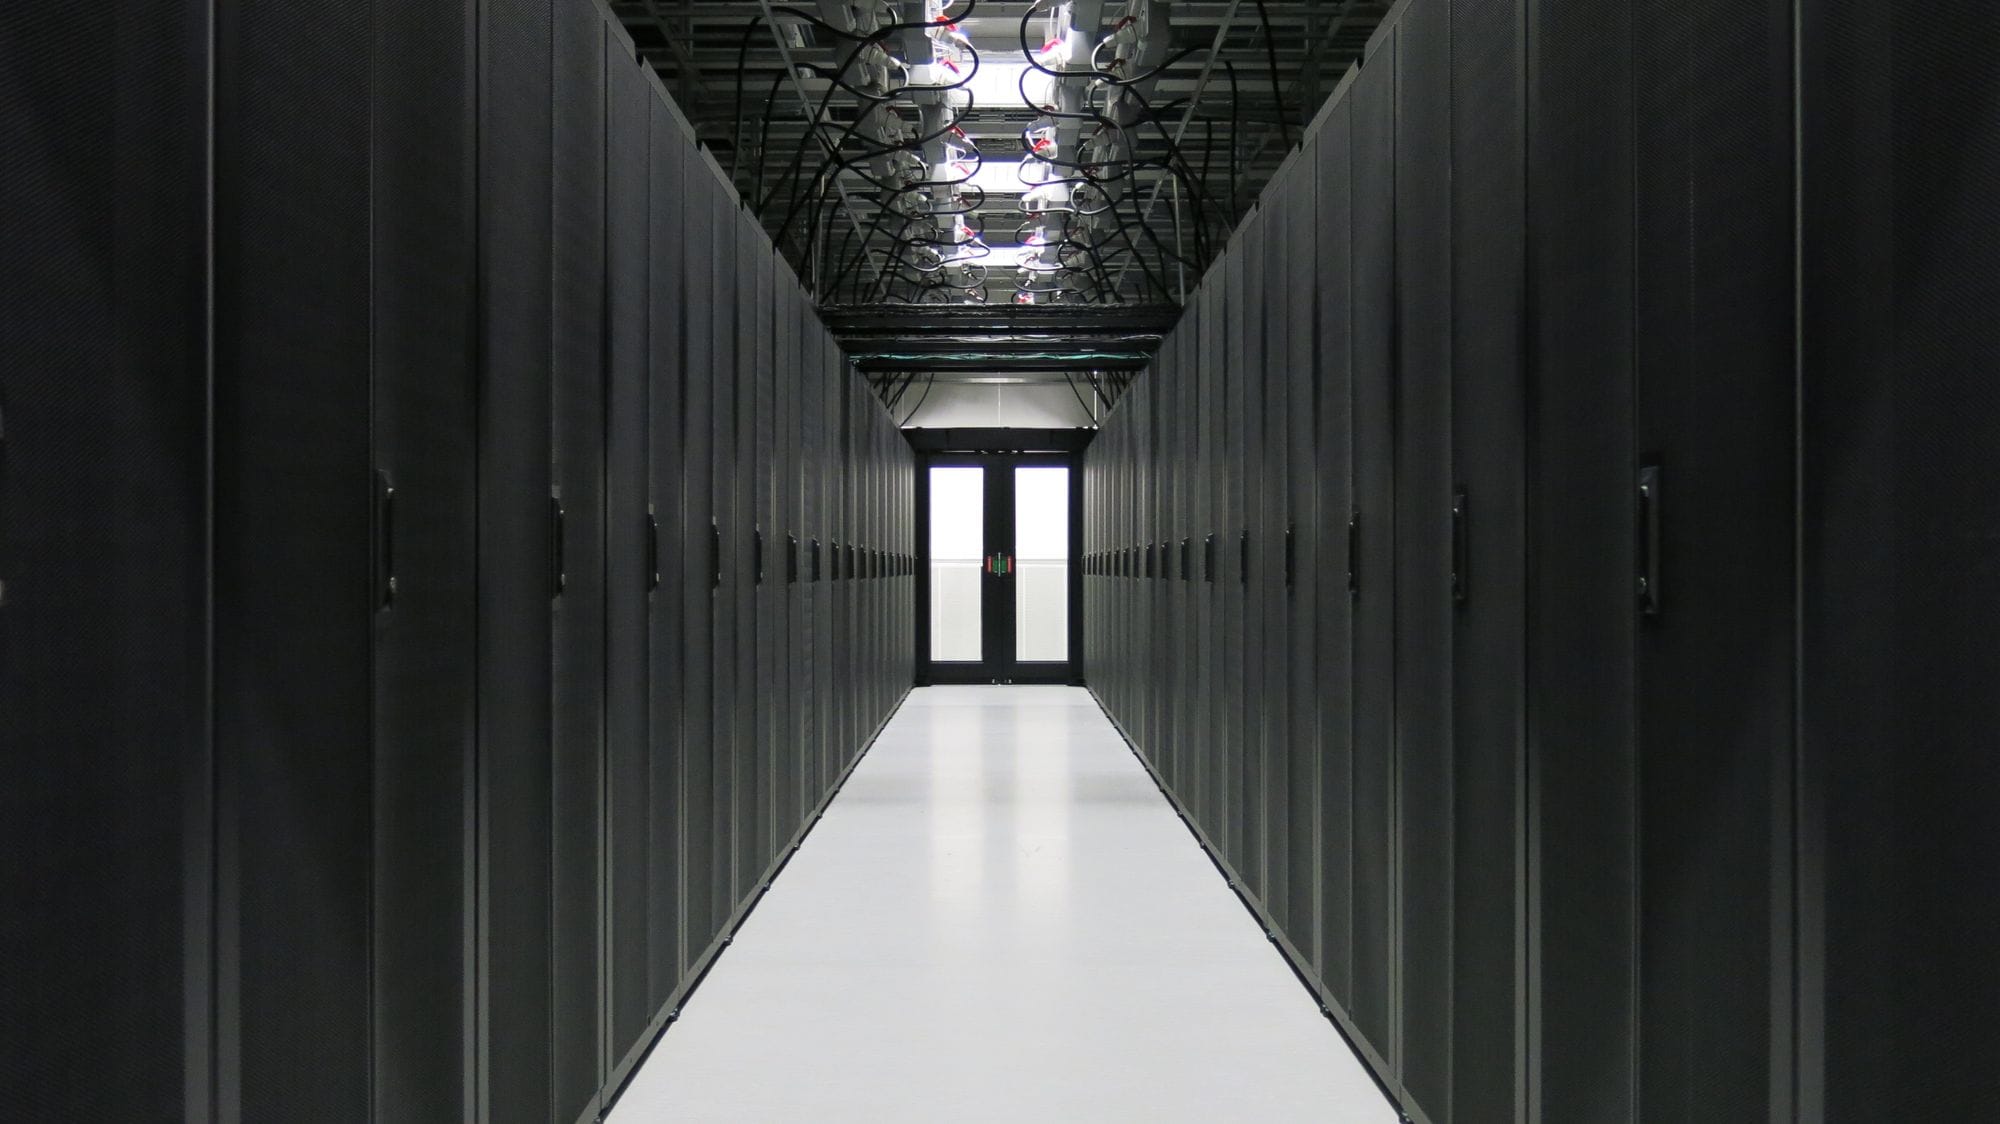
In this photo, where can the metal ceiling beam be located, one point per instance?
(690, 69)
(994, 337)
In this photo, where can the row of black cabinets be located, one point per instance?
(447, 563)
(1519, 561)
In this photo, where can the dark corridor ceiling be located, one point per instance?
(1238, 82)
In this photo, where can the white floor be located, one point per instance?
(1001, 919)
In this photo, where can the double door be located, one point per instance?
(1000, 536)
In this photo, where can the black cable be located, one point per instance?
(1234, 104)
(1277, 92)
(1071, 380)
(920, 402)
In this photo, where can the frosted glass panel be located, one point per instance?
(1041, 556)
(958, 547)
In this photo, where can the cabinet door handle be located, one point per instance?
(791, 559)
(1460, 562)
(1208, 559)
(714, 554)
(1187, 560)
(652, 551)
(813, 562)
(385, 542)
(558, 547)
(1243, 561)
(757, 555)
(1649, 540)
(1291, 556)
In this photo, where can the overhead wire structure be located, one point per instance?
(961, 152)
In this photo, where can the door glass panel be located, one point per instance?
(958, 546)
(1041, 555)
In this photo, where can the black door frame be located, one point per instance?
(997, 592)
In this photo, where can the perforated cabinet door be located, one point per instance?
(1246, 782)
(1303, 580)
(1220, 777)
(1901, 413)
(678, 710)
(294, 555)
(1373, 297)
(1715, 391)
(104, 783)
(826, 522)
(425, 392)
(1581, 537)
(579, 367)
(766, 579)
(730, 532)
(679, 707)
(1489, 433)
(1424, 604)
(752, 331)
(517, 573)
(783, 568)
(638, 620)
(1269, 548)
(1333, 676)
(699, 544)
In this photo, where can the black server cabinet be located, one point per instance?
(1712, 468)
(1373, 300)
(1424, 603)
(822, 497)
(1245, 783)
(1333, 641)
(1489, 657)
(297, 501)
(105, 801)
(1158, 488)
(578, 388)
(704, 858)
(849, 618)
(1901, 414)
(1169, 379)
(1301, 580)
(766, 535)
(782, 569)
(1184, 722)
(642, 423)
(517, 530)
(1220, 789)
(751, 819)
(1581, 624)
(425, 339)
(1248, 553)
(1264, 495)
(809, 421)
(1139, 650)
(731, 537)
(677, 575)
(1273, 548)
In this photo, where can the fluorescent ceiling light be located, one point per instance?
(997, 177)
(997, 83)
(996, 381)
(1007, 257)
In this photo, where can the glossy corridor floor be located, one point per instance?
(1001, 919)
